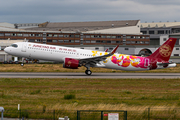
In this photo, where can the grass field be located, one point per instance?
(90, 94)
(59, 68)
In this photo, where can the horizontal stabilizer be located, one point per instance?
(168, 65)
(163, 64)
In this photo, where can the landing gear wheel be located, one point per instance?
(88, 72)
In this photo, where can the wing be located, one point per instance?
(97, 59)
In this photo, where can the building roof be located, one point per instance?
(94, 24)
(8, 27)
(85, 26)
(159, 24)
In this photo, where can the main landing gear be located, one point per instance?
(88, 71)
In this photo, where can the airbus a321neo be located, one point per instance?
(74, 58)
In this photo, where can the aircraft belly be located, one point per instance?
(130, 68)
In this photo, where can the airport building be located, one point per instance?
(98, 35)
(157, 29)
(159, 32)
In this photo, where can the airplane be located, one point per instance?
(73, 57)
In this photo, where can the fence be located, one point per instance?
(99, 114)
(145, 114)
(36, 114)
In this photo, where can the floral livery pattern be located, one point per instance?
(125, 60)
(96, 53)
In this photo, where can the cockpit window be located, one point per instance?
(14, 45)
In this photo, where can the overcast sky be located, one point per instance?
(38, 11)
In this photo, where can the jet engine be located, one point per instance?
(71, 63)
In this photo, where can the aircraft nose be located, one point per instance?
(6, 49)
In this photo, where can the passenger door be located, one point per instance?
(24, 45)
(146, 62)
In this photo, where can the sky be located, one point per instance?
(39, 11)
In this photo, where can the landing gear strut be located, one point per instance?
(88, 71)
(22, 64)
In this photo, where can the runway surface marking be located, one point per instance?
(83, 75)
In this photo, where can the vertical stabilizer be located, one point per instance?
(163, 53)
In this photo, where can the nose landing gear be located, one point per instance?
(22, 64)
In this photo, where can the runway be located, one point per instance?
(83, 75)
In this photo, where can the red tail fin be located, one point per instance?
(163, 53)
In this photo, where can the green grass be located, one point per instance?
(133, 95)
(35, 92)
(59, 68)
(69, 96)
(50, 92)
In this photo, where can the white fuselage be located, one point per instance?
(59, 53)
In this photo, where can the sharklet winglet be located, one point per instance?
(113, 51)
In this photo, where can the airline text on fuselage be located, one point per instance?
(54, 48)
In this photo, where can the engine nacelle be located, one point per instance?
(71, 63)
